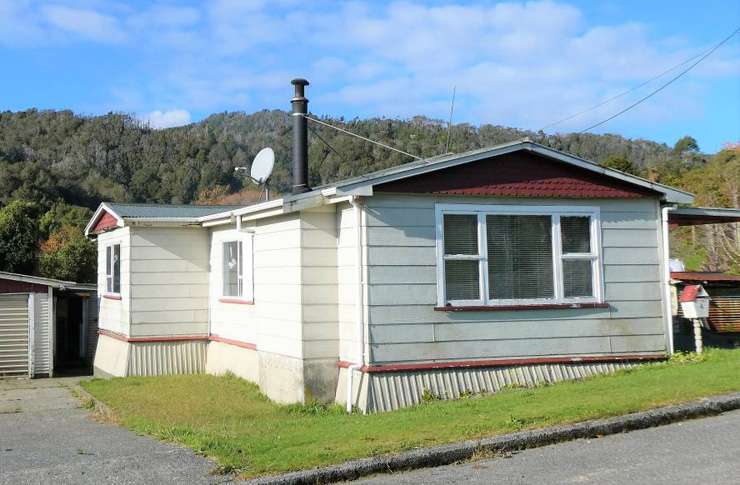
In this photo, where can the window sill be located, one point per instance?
(238, 301)
(508, 308)
(111, 296)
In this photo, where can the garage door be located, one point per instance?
(13, 335)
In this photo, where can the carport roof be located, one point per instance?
(54, 283)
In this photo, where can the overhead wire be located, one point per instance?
(347, 132)
(666, 84)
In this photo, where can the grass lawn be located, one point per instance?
(227, 418)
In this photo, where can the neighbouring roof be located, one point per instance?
(702, 276)
(54, 283)
(694, 216)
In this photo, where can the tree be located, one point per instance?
(18, 237)
(68, 255)
(63, 214)
(621, 164)
(686, 146)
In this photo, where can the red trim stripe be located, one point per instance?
(503, 362)
(126, 338)
(111, 296)
(504, 308)
(237, 343)
(238, 301)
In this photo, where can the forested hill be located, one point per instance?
(56, 166)
(48, 155)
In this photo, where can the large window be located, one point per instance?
(504, 255)
(113, 268)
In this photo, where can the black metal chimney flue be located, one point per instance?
(300, 137)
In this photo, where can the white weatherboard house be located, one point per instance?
(464, 273)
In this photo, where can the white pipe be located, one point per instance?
(667, 279)
(359, 310)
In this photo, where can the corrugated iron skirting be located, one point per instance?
(388, 391)
(161, 358)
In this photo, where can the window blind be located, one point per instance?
(576, 234)
(519, 257)
(461, 234)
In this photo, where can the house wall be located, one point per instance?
(267, 333)
(113, 314)
(403, 326)
(286, 339)
(168, 292)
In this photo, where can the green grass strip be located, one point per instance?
(228, 419)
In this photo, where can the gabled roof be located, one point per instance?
(54, 283)
(364, 186)
(154, 213)
(419, 167)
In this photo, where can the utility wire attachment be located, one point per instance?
(346, 132)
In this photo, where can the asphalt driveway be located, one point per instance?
(704, 450)
(46, 437)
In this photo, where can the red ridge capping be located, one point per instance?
(501, 308)
(503, 362)
(238, 343)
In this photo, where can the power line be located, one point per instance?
(387, 147)
(665, 85)
(316, 133)
(617, 96)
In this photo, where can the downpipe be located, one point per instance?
(667, 279)
(359, 310)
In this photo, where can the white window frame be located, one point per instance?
(110, 269)
(246, 264)
(554, 211)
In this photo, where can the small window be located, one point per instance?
(113, 269)
(509, 255)
(233, 270)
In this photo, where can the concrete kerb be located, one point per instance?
(452, 453)
(97, 406)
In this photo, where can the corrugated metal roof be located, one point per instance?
(40, 280)
(140, 211)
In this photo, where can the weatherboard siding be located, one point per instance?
(168, 282)
(272, 321)
(113, 314)
(402, 293)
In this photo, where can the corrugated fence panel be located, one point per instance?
(13, 335)
(162, 358)
(394, 390)
(92, 329)
(42, 336)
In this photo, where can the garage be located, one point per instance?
(47, 326)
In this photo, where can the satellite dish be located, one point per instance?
(262, 165)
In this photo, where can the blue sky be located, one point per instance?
(522, 64)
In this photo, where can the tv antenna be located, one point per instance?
(261, 170)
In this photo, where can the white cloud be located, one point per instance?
(85, 23)
(518, 63)
(167, 119)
